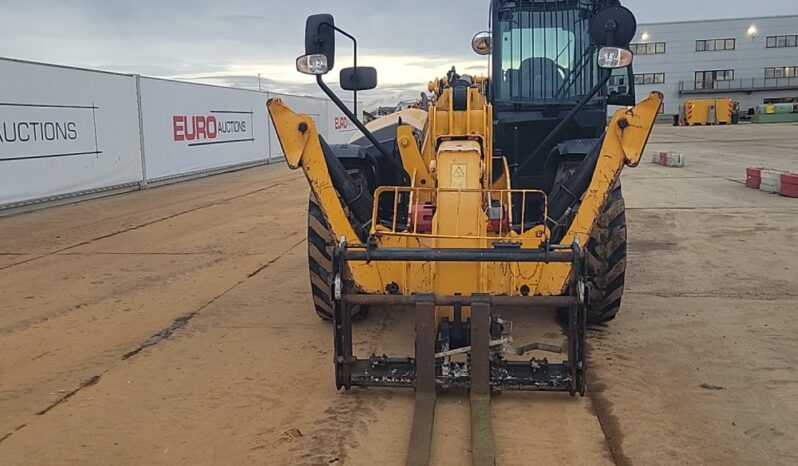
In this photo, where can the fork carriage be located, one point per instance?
(481, 336)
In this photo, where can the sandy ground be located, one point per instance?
(174, 326)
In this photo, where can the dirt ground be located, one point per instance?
(174, 326)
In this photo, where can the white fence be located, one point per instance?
(191, 128)
(67, 132)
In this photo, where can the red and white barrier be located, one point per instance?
(772, 181)
(789, 185)
(669, 159)
(753, 177)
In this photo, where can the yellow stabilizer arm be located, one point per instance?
(626, 139)
(299, 139)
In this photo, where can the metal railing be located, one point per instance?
(407, 224)
(737, 85)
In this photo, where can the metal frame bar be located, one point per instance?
(457, 255)
(500, 301)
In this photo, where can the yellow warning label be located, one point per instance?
(459, 173)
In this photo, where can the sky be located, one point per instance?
(230, 42)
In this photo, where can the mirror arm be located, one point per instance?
(369, 135)
(354, 41)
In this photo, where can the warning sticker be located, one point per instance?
(459, 173)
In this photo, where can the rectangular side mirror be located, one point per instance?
(622, 94)
(320, 37)
(362, 78)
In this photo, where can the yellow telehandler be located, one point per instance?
(502, 193)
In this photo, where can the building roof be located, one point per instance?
(752, 18)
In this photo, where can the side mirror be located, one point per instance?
(613, 26)
(320, 37)
(621, 90)
(621, 100)
(358, 79)
(481, 43)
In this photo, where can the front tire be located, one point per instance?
(606, 260)
(320, 244)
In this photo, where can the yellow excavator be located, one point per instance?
(502, 193)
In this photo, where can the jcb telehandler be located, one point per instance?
(504, 192)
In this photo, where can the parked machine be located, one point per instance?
(703, 112)
(776, 113)
(504, 193)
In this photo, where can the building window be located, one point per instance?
(648, 49)
(715, 45)
(781, 72)
(650, 78)
(707, 79)
(782, 41)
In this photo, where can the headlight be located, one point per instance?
(481, 43)
(614, 57)
(312, 64)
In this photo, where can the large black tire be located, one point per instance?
(606, 260)
(320, 244)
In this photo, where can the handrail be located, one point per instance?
(740, 85)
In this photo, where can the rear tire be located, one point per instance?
(320, 244)
(606, 259)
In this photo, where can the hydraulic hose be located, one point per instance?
(358, 200)
(557, 131)
(570, 193)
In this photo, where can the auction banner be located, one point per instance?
(330, 121)
(190, 128)
(340, 129)
(65, 131)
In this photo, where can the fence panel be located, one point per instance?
(65, 131)
(191, 128)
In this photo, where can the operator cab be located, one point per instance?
(543, 55)
(548, 88)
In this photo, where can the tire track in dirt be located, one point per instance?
(347, 417)
(603, 408)
(159, 337)
(142, 225)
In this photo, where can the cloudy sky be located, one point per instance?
(230, 41)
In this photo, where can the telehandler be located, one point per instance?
(503, 193)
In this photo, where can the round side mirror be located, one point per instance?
(614, 26)
(482, 43)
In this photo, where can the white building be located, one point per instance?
(752, 60)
